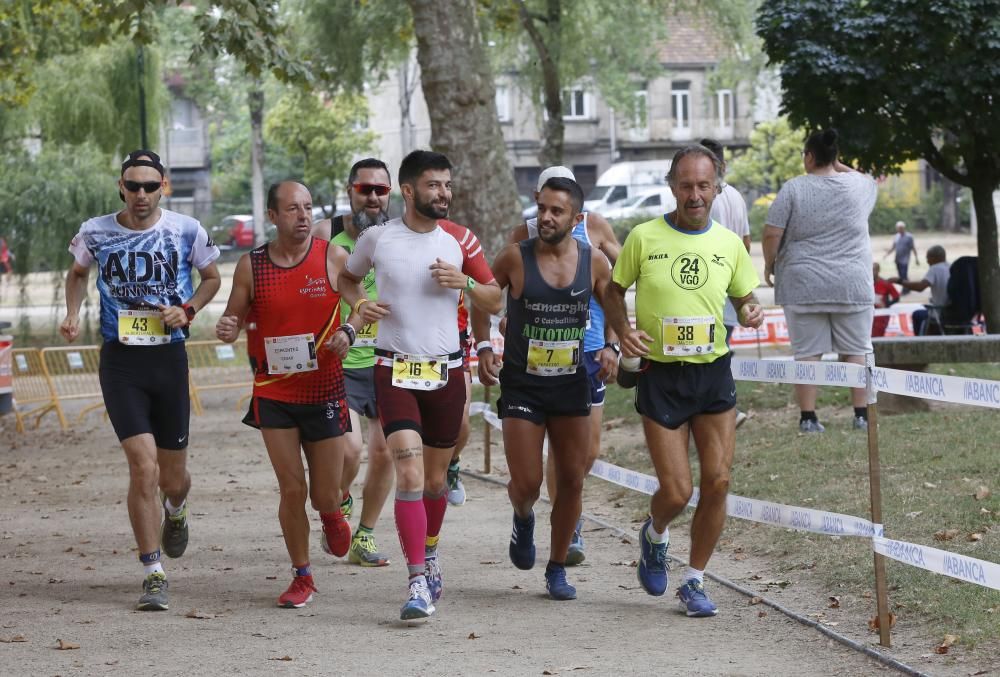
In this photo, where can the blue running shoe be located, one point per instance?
(419, 605)
(652, 569)
(555, 583)
(694, 601)
(432, 572)
(522, 542)
(575, 554)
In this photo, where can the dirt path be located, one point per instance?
(68, 572)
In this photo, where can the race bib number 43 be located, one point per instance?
(688, 335)
(552, 358)
(290, 354)
(142, 328)
(419, 372)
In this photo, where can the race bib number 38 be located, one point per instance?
(552, 358)
(688, 335)
(419, 372)
(290, 354)
(142, 328)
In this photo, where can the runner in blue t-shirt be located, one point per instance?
(145, 257)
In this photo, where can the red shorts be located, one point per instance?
(435, 414)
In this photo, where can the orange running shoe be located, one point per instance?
(337, 534)
(299, 593)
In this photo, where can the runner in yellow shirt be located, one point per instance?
(684, 265)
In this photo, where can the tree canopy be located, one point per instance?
(901, 80)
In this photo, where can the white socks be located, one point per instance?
(154, 568)
(171, 510)
(694, 575)
(657, 537)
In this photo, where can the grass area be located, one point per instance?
(932, 464)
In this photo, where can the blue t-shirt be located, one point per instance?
(593, 339)
(140, 269)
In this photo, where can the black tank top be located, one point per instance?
(543, 344)
(336, 226)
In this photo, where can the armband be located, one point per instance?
(470, 284)
(484, 345)
(357, 306)
(351, 333)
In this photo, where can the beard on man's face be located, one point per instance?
(362, 219)
(429, 210)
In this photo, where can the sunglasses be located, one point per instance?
(148, 186)
(367, 188)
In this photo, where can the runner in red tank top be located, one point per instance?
(296, 348)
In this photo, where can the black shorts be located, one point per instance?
(435, 414)
(316, 422)
(360, 387)
(671, 393)
(597, 387)
(146, 391)
(536, 403)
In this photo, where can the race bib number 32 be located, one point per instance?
(142, 328)
(688, 335)
(290, 354)
(419, 372)
(367, 336)
(552, 358)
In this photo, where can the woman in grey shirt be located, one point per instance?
(817, 248)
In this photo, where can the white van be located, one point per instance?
(623, 180)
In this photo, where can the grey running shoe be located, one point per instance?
(575, 555)
(811, 426)
(456, 490)
(364, 552)
(860, 423)
(174, 533)
(154, 593)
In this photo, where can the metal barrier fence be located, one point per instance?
(215, 365)
(32, 386)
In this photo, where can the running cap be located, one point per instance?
(143, 158)
(553, 172)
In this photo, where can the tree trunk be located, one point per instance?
(255, 101)
(989, 258)
(461, 99)
(549, 49)
(949, 205)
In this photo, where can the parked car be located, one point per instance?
(651, 202)
(237, 230)
(624, 180)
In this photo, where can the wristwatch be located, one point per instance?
(615, 347)
(189, 311)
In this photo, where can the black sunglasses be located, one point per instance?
(148, 186)
(366, 188)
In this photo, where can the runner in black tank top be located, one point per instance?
(544, 386)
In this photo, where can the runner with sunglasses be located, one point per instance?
(421, 267)
(145, 256)
(368, 187)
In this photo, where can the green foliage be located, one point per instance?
(899, 79)
(774, 156)
(325, 132)
(43, 200)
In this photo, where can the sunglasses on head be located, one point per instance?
(367, 188)
(148, 186)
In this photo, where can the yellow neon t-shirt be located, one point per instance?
(682, 280)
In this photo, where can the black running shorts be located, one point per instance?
(671, 393)
(539, 402)
(146, 391)
(315, 422)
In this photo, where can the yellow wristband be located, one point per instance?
(357, 306)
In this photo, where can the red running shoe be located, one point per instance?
(337, 535)
(299, 593)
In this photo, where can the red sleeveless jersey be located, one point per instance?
(288, 302)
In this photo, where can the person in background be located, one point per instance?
(885, 295)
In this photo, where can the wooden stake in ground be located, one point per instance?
(875, 483)
(487, 433)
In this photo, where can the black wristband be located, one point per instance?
(349, 330)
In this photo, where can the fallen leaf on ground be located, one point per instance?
(489, 561)
(915, 513)
(626, 541)
(194, 613)
(761, 614)
(949, 640)
(473, 635)
(756, 600)
(516, 587)
(66, 646)
(834, 602)
(945, 534)
(930, 485)
(873, 623)
(283, 658)
(982, 493)
(975, 537)
(15, 638)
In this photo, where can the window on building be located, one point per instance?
(576, 104)
(640, 120)
(680, 109)
(503, 103)
(724, 108)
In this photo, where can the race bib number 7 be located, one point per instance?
(419, 372)
(142, 328)
(552, 358)
(688, 335)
